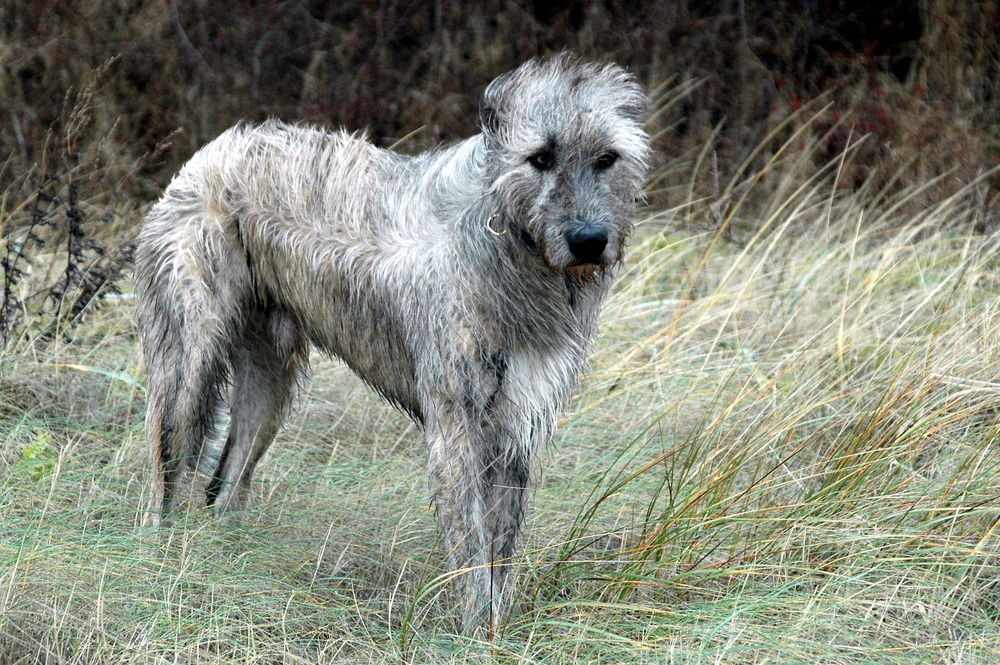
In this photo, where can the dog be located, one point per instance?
(462, 284)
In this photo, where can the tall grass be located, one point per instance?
(791, 446)
(786, 451)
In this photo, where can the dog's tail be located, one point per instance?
(191, 280)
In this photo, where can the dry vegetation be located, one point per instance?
(920, 78)
(787, 448)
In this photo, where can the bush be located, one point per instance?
(64, 245)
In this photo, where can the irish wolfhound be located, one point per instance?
(462, 284)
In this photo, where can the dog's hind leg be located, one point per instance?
(267, 360)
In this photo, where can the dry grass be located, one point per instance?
(786, 452)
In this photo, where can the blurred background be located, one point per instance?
(920, 77)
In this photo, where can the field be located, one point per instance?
(786, 451)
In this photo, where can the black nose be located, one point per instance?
(587, 243)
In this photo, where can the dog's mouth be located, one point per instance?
(585, 273)
(528, 242)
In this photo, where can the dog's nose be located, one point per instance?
(587, 243)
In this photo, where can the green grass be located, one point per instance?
(786, 451)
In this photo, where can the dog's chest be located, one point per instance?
(540, 379)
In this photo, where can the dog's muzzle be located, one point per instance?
(587, 243)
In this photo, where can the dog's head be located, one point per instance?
(570, 158)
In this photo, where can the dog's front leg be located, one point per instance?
(478, 496)
(508, 483)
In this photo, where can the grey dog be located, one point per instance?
(462, 284)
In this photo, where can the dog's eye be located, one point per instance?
(543, 160)
(605, 161)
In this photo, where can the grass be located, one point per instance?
(786, 451)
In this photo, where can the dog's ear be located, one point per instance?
(635, 105)
(632, 101)
(489, 120)
(492, 108)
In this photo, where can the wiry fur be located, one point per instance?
(446, 280)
